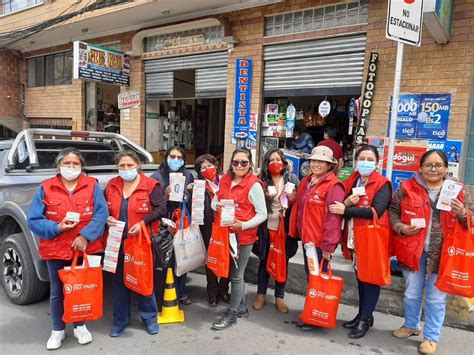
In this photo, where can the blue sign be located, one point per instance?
(433, 119)
(243, 89)
(399, 176)
(452, 149)
(408, 107)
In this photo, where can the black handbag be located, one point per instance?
(260, 246)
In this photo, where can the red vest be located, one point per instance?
(58, 202)
(372, 186)
(244, 210)
(408, 248)
(314, 209)
(138, 203)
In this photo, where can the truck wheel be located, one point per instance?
(18, 274)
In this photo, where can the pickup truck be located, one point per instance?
(24, 163)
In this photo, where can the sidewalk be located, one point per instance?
(25, 329)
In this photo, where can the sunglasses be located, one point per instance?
(242, 163)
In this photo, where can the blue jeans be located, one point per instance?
(237, 296)
(147, 308)
(435, 305)
(56, 298)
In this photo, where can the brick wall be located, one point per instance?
(9, 85)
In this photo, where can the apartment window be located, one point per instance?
(11, 6)
(338, 15)
(53, 69)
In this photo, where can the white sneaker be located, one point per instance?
(82, 334)
(54, 341)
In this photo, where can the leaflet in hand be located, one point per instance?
(449, 192)
(113, 246)
(199, 195)
(227, 213)
(177, 182)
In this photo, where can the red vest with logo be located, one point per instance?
(314, 209)
(408, 248)
(375, 182)
(58, 202)
(244, 210)
(138, 203)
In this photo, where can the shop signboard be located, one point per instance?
(324, 108)
(243, 89)
(96, 63)
(433, 119)
(453, 150)
(404, 21)
(183, 41)
(129, 99)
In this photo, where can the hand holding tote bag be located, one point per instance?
(188, 245)
(372, 252)
(138, 262)
(456, 268)
(276, 261)
(82, 288)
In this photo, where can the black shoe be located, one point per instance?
(225, 297)
(352, 323)
(361, 328)
(306, 327)
(212, 301)
(185, 301)
(229, 318)
(243, 313)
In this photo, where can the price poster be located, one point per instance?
(407, 116)
(433, 118)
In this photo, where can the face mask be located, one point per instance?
(70, 174)
(365, 167)
(175, 164)
(128, 175)
(275, 167)
(209, 173)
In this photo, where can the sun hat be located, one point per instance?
(322, 153)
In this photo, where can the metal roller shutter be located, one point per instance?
(211, 74)
(159, 85)
(319, 67)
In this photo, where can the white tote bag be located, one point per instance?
(189, 248)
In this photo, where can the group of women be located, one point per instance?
(320, 210)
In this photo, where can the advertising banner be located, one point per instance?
(433, 119)
(453, 150)
(243, 91)
(407, 117)
(129, 99)
(101, 64)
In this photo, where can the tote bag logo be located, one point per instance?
(127, 258)
(67, 288)
(312, 293)
(451, 250)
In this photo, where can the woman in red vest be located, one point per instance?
(246, 190)
(206, 167)
(61, 234)
(365, 188)
(310, 219)
(132, 197)
(419, 231)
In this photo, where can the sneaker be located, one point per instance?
(405, 332)
(427, 347)
(82, 334)
(185, 301)
(213, 301)
(55, 340)
(229, 318)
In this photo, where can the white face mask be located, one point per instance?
(70, 174)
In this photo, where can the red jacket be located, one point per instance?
(375, 182)
(244, 210)
(314, 209)
(409, 248)
(58, 201)
(139, 201)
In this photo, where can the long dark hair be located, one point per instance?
(433, 151)
(265, 175)
(247, 152)
(164, 163)
(201, 159)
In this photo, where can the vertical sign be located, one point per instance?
(367, 99)
(243, 89)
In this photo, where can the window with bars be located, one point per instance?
(337, 15)
(11, 6)
(54, 69)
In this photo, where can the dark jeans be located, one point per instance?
(368, 297)
(216, 286)
(320, 256)
(147, 308)
(56, 298)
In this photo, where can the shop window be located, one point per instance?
(54, 69)
(331, 16)
(11, 6)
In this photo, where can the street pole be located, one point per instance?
(394, 113)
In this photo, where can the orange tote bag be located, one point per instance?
(138, 263)
(218, 253)
(276, 261)
(82, 289)
(372, 253)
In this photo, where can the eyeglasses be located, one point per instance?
(437, 166)
(242, 163)
(172, 156)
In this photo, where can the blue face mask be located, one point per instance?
(128, 175)
(175, 164)
(365, 167)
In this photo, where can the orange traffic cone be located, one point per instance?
(170, 312)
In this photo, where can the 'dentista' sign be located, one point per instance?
(404, 21)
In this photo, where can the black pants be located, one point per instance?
(216, 286)
(368, 297)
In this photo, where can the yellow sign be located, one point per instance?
(183, 41)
